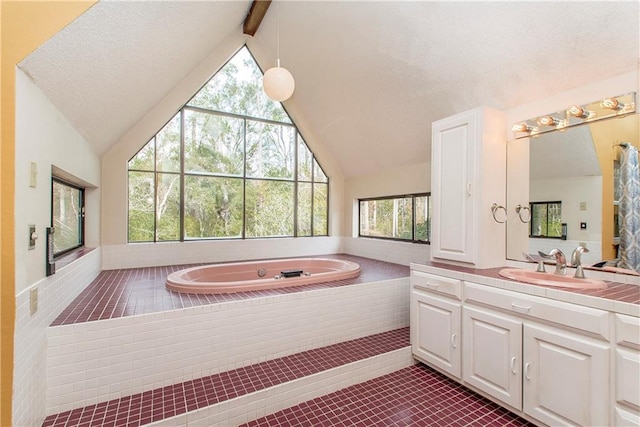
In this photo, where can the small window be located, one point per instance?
(67, 203)
(546, 220)
(406, 217)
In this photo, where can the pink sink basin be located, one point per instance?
(550, 279)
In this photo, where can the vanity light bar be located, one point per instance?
(577, 115)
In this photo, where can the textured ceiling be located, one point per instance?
(371, 76)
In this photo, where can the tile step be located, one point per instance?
(243, 394)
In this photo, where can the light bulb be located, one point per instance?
(521, 127)
(278, 83)
(611, 104)
(547, 121)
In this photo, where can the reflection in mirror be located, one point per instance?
(572, 171)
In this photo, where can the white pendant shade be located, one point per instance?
(278, 83)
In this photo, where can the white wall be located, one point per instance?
(572, 192)
(391, 182)
(45, 137)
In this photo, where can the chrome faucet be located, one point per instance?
(561, 260)
(576, 262)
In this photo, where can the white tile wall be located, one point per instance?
(97, 361)
(175, 253)
(30, 346)
(402, 253)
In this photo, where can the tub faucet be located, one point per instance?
(576, 262)
(561, 261)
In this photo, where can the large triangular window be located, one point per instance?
(229, 164)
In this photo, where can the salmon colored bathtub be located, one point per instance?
(259, 275)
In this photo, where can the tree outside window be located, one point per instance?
(546, 220)
(229, 164)
(396, 218)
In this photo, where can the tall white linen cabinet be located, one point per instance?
(468, 175)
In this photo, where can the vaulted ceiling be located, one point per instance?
(371, 76)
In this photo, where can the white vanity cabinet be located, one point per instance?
(549, 359)
(627, 371)
(435, 321)
(493, 354)
(468, 158)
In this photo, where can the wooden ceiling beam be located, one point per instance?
(254, 18)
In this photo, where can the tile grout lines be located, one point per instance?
(179, 398)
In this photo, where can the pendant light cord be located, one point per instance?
(278, 34)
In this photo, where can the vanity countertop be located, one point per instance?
(617, 297)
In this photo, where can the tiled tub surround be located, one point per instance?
(96, 361)
(129, 292)
(30, 346)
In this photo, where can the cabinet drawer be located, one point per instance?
(586, 319)
(628, 331)
(438, 284)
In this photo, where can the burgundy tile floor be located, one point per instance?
(414, 396)
(128, 292)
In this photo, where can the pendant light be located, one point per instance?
(278, 82)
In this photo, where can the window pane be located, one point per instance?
(305, 160)
(168, 207)
(546, 219)
(423, 219)
(539, 220)
(145, 158)
(555, 220)
(270, 150)
(318, 173)
(67, 217)
(390, 218)
(213, 144)
(237, 88)
(304, 209)
(320, 203)
(141, 213)
(269, 209)
(213, 207)
(168, 145)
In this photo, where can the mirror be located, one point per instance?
(572, 170)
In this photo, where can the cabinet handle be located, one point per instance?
(468, 189)
(526, 371)
(521, 308)
(432, 285)
(453, 340)
(513, 365)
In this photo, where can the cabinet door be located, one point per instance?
(566, 378)
(452, 162)
(627, 391)
(492, 355)
(435, 331)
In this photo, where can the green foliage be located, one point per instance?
(238, 168)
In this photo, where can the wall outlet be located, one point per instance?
(33, 301)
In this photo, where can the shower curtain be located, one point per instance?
(629, 208)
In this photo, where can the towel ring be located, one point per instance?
(519, 209)
(494, 208)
